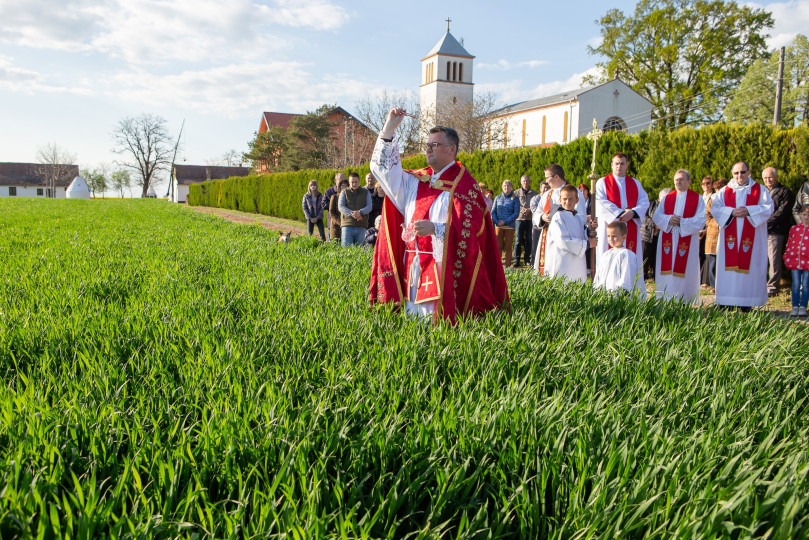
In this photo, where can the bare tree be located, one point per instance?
(57, 164)
(231, 158)
(475, 121)
(145, 142)
(373, 111)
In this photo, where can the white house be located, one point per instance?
(31, 179)
(569, 115)
(184, 175)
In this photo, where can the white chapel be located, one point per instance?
(446, 78)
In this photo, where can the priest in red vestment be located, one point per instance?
(436, 253)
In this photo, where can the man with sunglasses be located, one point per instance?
(436, 253)
(741, 210)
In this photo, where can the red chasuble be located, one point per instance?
(470, 279)
(739, 251)
(614, 196)
(680, 254)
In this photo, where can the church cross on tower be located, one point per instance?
(448, 21)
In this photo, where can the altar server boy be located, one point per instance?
(566, 250)
(619, 268)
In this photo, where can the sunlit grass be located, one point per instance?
(167, 373)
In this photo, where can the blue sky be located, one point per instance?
(70, 70)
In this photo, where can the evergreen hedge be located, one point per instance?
(654, 158)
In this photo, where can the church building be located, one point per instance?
(446, 81)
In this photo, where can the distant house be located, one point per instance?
(32, 179)
(353, 140)
(564, 117)
(184, 175)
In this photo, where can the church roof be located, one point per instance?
(562, 97)
(448, 45)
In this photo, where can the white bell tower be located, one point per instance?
(446, 76)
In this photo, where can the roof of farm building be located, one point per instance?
(36, 174)
(194, 174)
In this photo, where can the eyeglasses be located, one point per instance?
(740, 172)
(432, 145)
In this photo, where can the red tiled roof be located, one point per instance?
(34, 174)
(275, 119)
(193, 174)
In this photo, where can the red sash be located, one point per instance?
(428, 278)
(544, 237)
(680, 258)
(739, 252)
(614, 196)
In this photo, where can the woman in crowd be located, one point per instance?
(312, 209)
(334, 211)
(707, 191)
(711, 241)
(505, 209)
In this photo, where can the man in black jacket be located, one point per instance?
(777, 227)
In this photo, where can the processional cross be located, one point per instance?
(591, 225)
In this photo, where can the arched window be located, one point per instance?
(455, 71)
(614, 123)
(564, 133)
(544, 122)
(505, 136)
(523, 131)
(449, 70)
(460, 72)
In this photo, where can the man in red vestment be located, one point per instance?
(436, 253)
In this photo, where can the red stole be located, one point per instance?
(739, 251)
(428, 289)
(680, 255)
(614, 196)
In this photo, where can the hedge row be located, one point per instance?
(654, 158)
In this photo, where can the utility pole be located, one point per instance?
(170, 192)
(779, 86)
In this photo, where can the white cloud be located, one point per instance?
(158, 31)
(791, 19)
(19, 79)
(239, 90)
(505, 65)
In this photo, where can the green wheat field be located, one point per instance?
(168, 374)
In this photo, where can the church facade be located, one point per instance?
(447, 81)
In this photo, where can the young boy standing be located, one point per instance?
(796, 258)
(566, 250)
(619, 268)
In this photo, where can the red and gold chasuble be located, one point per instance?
(614, 196)
(470, 278)
(669, 253)
(739, 251)
(544, 238)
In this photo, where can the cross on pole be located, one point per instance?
(448, 21)
(594, 136)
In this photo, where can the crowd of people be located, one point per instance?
(724, 238)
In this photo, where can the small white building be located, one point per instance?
(182, 176)
(32, 179)
(569, 115)
(78, 189)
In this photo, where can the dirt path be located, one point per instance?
(264, 221)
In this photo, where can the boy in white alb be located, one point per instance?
(565, 253)
(619, 268)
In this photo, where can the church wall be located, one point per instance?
(601, 103)
(554, 125)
